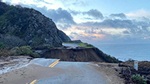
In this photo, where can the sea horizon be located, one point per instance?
(128, 51)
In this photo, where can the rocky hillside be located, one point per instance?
(24, 26)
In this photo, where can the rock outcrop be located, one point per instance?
(24, 26)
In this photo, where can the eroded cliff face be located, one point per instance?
(81, 55)
(73, 54)
(24, 26)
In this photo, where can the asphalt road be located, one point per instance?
(53, 71)
(74, 73)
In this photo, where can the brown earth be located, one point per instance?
(86, 54)
(80, 55)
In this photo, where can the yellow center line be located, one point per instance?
(54, 63)
(51, 65)
(33, 82)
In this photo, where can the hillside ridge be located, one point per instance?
(23, 26)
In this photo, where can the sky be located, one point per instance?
(97, 21)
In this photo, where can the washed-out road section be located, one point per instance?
(38, 71)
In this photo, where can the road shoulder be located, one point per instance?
(111, 71)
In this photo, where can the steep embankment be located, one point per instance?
(83, 55)
(23, 26)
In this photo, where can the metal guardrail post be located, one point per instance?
(136, 65)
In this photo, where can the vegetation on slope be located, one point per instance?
(19, 51)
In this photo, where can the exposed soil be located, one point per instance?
(85, 55)
(79, 55)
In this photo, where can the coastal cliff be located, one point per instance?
(23, 31)
(81, 55)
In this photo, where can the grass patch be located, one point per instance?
(85, 45)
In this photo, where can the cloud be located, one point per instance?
(74, 12)
(117, 23)
(119, 15)
(138, 14)
(94, 13)
(92, 32)
(91, 15)
(62, 18)
(73, 2)
(111, 30)
(84, 32)
(61, 15)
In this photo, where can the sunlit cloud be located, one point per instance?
(79, 31)
(114, 31)
(138, 14)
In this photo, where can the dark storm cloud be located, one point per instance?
(74, 12)
(94, 13)
(62, 18)
(61, 15)
(135, 27)
(116, 23)
(120, 15)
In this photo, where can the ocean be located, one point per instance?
(124, 52)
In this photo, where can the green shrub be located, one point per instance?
(111, 59)
(35, 55)
(25, 50)
(137, 79)
(130, 60)
(2, 45)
